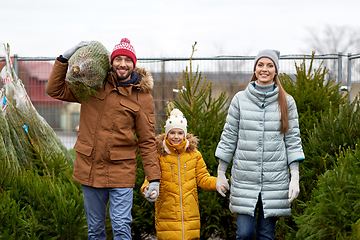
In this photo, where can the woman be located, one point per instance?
(262, 137)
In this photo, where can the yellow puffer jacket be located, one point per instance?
(177, 209)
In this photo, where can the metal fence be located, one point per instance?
(228, 74)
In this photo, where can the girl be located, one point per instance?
(262, 137)
(182, 170)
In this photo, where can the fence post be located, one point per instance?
(340, 70)
(16, 64)
(163, 89)
(349, 76)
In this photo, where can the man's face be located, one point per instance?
(123, 67)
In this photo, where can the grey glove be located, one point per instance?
(153, 186)
(68, 53)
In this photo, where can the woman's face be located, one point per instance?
(175, 136)
(265, 71)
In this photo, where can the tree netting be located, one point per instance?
(88, 68)
(25, 134)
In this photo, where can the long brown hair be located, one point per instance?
(282, 104)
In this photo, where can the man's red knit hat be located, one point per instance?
(124, 48)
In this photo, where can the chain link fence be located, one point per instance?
(228, 74)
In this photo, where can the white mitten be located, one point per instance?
(294, 188)
(222, 182)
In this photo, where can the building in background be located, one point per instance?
(34, 75)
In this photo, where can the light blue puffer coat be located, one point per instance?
(261, 155)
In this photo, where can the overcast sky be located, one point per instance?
(168, 28)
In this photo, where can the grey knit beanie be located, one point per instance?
(269, 53)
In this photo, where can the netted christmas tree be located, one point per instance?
(88, 68)
(7, 149)
(24, 132)
(38, 198)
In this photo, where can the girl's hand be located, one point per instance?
(223, 188)
(153, 194)
(145, 190)
(154, 191)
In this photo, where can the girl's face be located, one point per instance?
(265, 71)
(175, 136)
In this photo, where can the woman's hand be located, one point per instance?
(222, 184)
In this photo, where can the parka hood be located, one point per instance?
(161, 149)
(147, 80)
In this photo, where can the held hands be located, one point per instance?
(222, 184)
(151, 192)
(68, 53)
(294, 188)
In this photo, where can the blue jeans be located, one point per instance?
(265, 227)
(96, 200)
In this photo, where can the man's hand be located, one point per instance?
(68, 53)
(152, 191)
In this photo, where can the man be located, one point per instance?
(106, 148)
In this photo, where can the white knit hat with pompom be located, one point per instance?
(176, 120)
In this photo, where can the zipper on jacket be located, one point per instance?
(263, 105)
(263, 145)
(185, 171)
(181, 203)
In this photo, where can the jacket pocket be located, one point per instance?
(166, 207)
(185, 171)
(128, 153)
(83, 162)
(124, 120)
(151, 117)
(172, 173)
(83, 148)
(127, 103)
(191, 206)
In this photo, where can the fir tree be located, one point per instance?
(206, 117)
(326, 122)
(334, 209)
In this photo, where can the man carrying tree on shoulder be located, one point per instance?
(107, 148)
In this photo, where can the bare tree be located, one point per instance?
(334, 39)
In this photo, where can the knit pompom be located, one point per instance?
(176, 112)
(125, 40)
